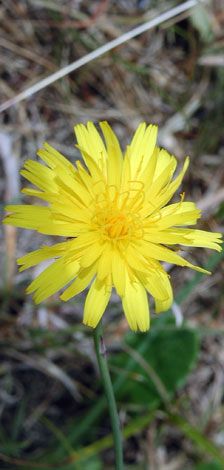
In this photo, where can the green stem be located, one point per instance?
(102, 362)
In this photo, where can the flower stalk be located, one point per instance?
(102, 362)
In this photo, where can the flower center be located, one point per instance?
(117, 225)
(116, 216)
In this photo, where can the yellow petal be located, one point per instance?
(164, 160)
(187, 237)
(71, 209)
(135, 259)
(39, 175)
(90, 142)
(92, 165)
(44, 253)
(43, 220)
(84, 241)
(164, 305)
(202, 238)
(115, 157)
(91, 255)
(104, 263)
(53, 278)
(73, 188)
(155, 283)
(80, 283)
(96, 302)
(147, 175)
(158, 184)
(184, 218)
(118, 272)
(55, 159)
(27, 216)
(49, 197)
(62, 229)
(142, 147)
(135, 304)
(113, 168)
(183, 213)
(126, 172)
(137, 139)
(151, 250)
(162, 198)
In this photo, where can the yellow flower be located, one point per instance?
(113, 212)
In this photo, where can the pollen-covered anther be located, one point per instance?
(117, 217)
(117, 226)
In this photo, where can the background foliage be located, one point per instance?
(168, 382)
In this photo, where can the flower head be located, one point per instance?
(113, 212)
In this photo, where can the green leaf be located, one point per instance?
(94, 463)
(91, 463)
(170, 355)
(210, 466)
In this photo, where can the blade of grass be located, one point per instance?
(197, 437)
(136, 425)
(18, 421)
(58, 434)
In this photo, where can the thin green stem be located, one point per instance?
(101, 358)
